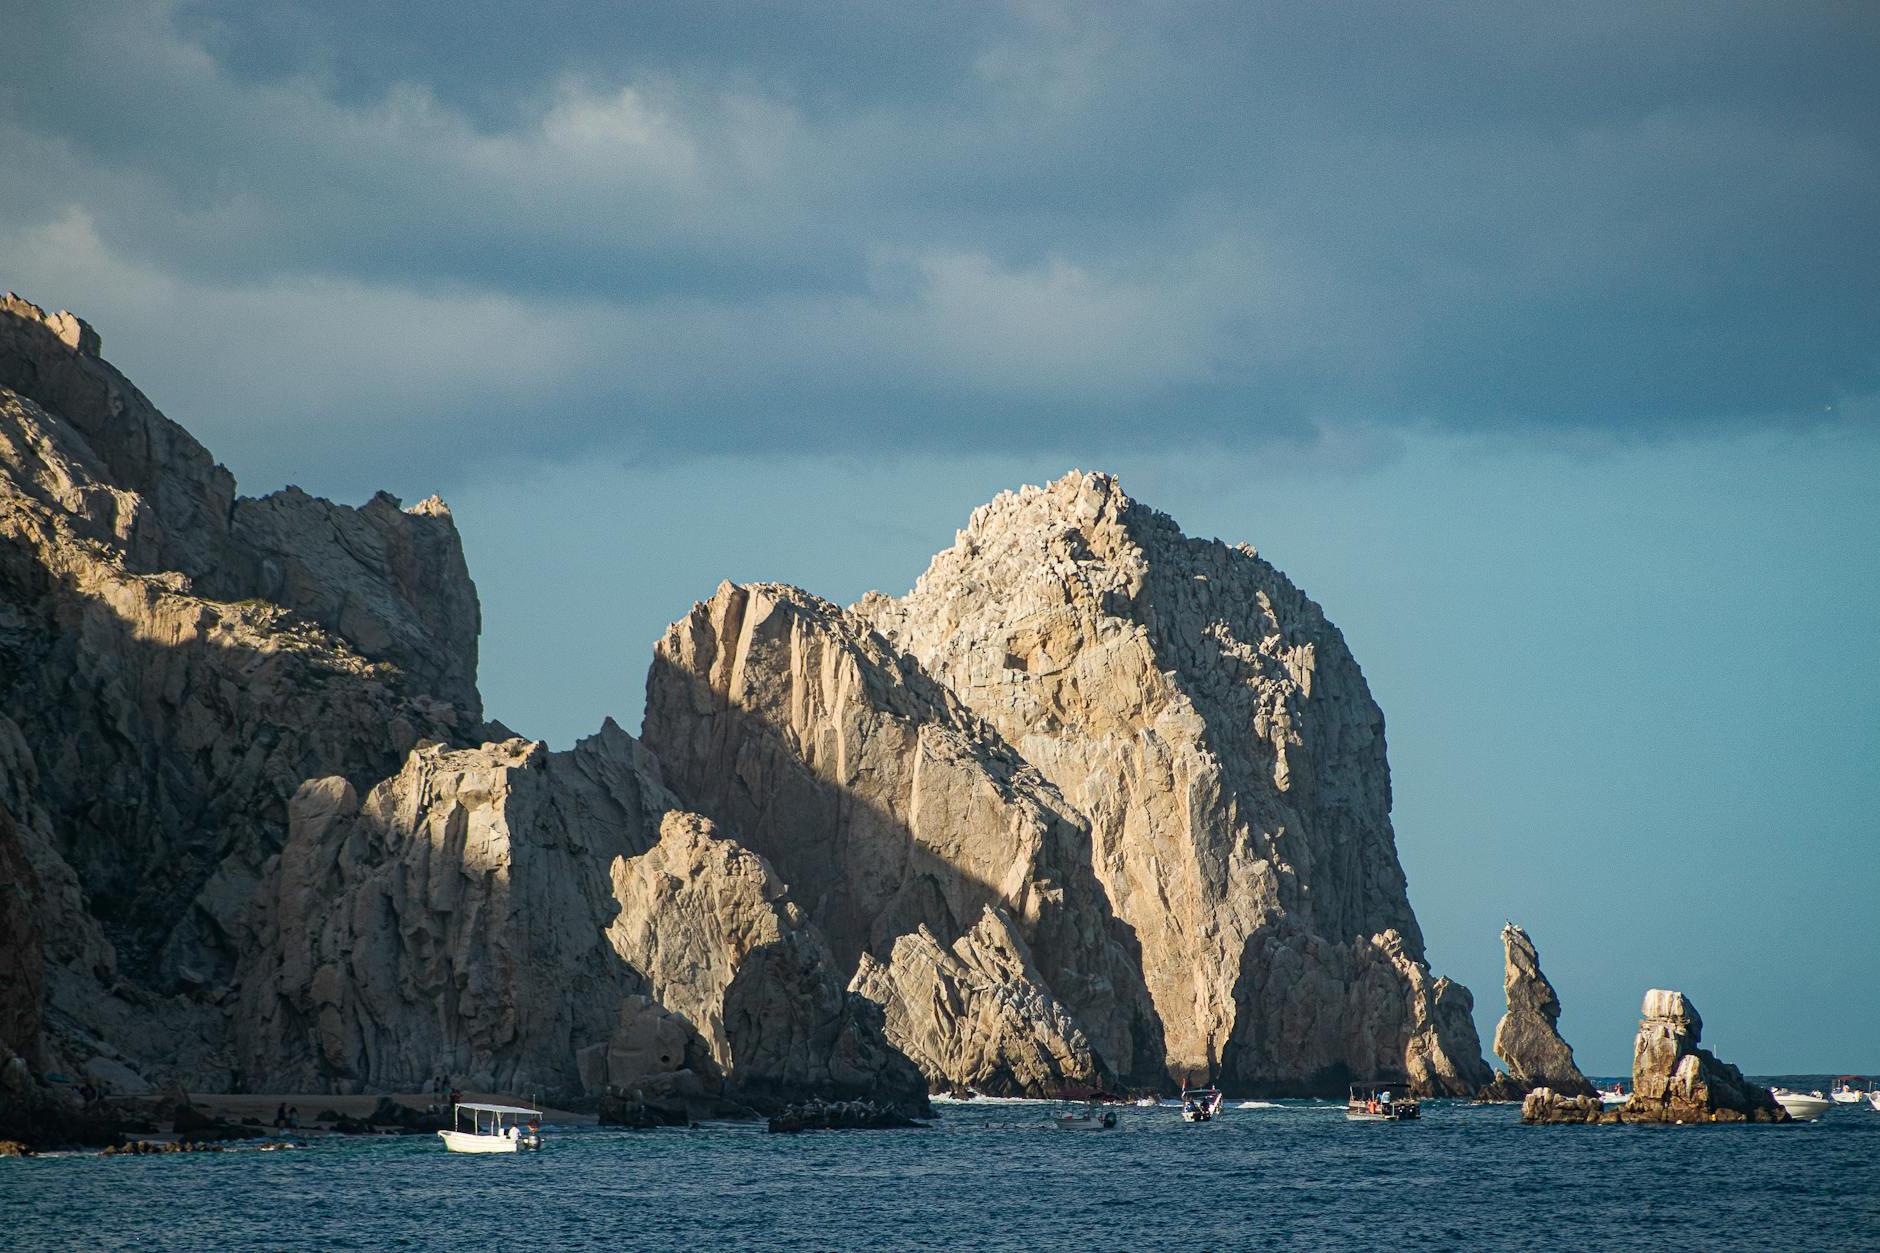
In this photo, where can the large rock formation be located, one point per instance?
(1094, 803)
(1673, 1080)
(1527, 1039)
(1202, 713)
(887, 806)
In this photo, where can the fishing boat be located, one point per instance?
(493, 1128)
(1379, 1102)
(1088, 1120)
(1845, 1093)
(1200, 1104)
(1615, 1095)
(1802, 1106)
(1873, 1098)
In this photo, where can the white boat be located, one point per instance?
(1844, 1091)
(1148, 1102)
(1802, 1106)
(1615, 1095)
(1089, 1120)
(493, 1129)
(1379, 1102)
(1873, 1098)
(1200, 1104)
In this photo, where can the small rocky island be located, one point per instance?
(1527, 1039)
(1673, 1080)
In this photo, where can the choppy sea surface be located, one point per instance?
(997, 1175)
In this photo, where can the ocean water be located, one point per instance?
(996, 1175)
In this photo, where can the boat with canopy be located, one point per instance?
(493, 1128)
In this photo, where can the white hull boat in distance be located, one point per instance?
(1201, 1104)
(1381, 1102)
(1845, 1093)
(1615, 1095)
(1803, 1106)
(1873, 1098)
(493, 1129)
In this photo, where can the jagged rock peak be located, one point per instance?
(1528, 1039)
(1209, 721)
(73, 331)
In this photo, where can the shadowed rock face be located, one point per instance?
(451, 922)
(170, 708)
(1210, 723)
(1527, 1038)
(886, 805)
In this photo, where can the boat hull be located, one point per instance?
(1804, 1108)
(465, 1142)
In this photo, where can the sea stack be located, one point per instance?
(1528, 1039)
(1673, 1080)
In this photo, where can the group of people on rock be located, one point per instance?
(287, 1116)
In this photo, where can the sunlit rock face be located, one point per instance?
(1204, 716)
(887, 805)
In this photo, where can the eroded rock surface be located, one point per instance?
(451, 922)
(976, 1013)
(1527, 1039)
(884, 803)
(1208, 720)
(711, 928)
(1673, 1080)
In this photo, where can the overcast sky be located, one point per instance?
(1541, 344)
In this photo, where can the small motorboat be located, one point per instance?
(1873, 1098)
(1379, 1102)
(1148, 1102)
(493, 1129)
(1802, 1106)
(1088, 1120)
(1615, 1095)
(1200, 1104)
(1845, 1093)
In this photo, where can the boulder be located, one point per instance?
(1527, 1039)
(1204, 716)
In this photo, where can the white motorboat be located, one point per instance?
(1802, 1106)
(1379, 1102)
(493, 1128)
(1088, 1120)
(1873, 1098)
(1615, 1095)
(1845, 1093)
(1200, 1104)
(1148, 1102)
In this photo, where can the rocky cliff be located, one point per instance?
(1204, 716)
(1527, 1039)
(887, 805)
(1094, 804)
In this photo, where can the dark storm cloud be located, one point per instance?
(673, 226)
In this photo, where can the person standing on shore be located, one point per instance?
(280, 1115)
